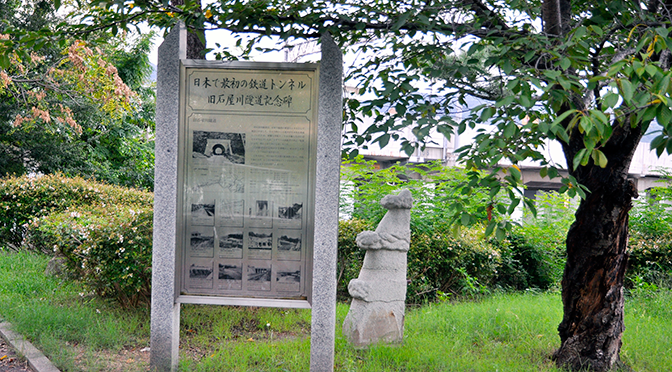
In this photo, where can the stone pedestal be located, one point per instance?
(379, 293)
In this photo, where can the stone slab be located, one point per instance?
(328, 168)
(165, 313)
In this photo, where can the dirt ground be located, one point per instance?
(10, 362)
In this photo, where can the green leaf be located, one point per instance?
(383, 140)
(509, 130)
(465, 219)
(490, 228)
(487, 113)
(609, 100)
(563, 116)
(500, 233)
(578, 158)
(599, 158)
(600, 116)
(513, 205)
(552, 172)
(664, 116)
(506, 101)
(626, 89)
(565, 63)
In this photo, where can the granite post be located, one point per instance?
(379, 293)
(165, 313)
(328, 169)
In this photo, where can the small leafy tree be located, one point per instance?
(67, 107)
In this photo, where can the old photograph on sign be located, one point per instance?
(289, 245)
(200, 274)
(230, 243)
(218, 147)
(230, 213)
(230, 275)
(202, 241)
(203, 212)
(260, 244)
(288, 277)
(259, 276)
(290, 216)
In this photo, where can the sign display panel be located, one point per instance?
(247, 169)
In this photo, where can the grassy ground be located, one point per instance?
(505, 332)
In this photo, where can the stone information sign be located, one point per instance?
(247, 170)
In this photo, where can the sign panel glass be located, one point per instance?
(248, 135)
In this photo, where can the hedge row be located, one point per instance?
(440, 263)
(24, 198)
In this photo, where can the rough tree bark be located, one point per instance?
(592, 284)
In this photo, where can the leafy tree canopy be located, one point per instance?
(71, 106)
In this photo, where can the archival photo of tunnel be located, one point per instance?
(290, 216)
(218, 147)
(288, 277)
(230, 275)
(260, 214)
(230, 242)
(289, 245)
(203, 213)
(230, 213)
(202, 241)
(259, 276)
(260, 244)
(200, 274)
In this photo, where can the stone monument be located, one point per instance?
(379, 293)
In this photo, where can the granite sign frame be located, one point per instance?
(247, 146)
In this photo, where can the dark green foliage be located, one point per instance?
(527, 265)
(350, 257)
(650, 244)
(23, 199)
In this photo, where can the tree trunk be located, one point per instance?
(592, 284)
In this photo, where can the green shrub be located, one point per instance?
(107, 247)
(526, 265)
(650, 259)
(24, 198)
(350, 257)
(650, 243)
(439, 262)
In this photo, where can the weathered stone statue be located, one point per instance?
(379, 293)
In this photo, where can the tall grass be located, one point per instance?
(503, 332)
